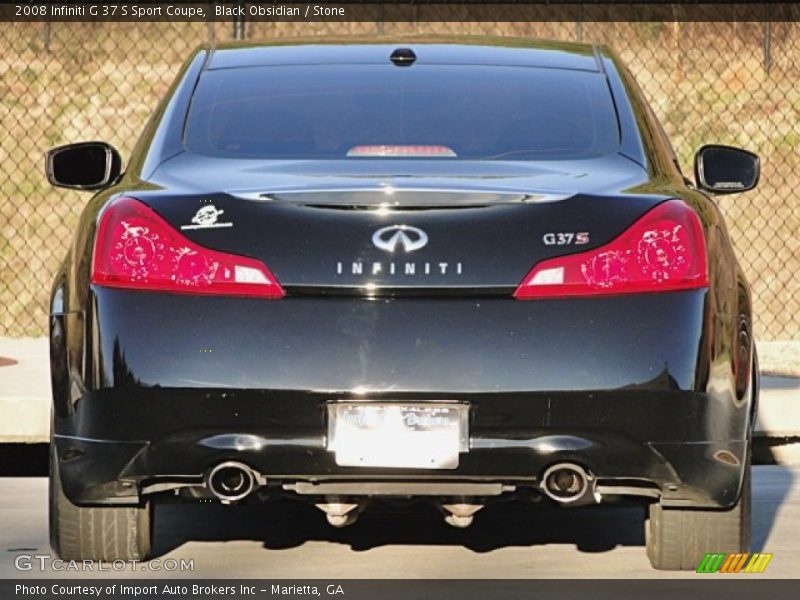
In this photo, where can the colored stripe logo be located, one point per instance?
(744, 562)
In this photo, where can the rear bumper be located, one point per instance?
(149, 437)
(622, 386)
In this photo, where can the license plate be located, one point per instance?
(414, 436)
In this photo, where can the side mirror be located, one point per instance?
(726, 170)
(83, 166)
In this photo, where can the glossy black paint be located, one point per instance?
(150, 389)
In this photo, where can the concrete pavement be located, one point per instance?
(24, 390)
(291, 540)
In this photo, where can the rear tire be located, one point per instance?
(678, 539)
(96, 533)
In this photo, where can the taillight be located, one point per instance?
(135, 248)
(663, 251)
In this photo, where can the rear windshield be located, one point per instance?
(442, 111)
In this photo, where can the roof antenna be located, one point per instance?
(403, 57)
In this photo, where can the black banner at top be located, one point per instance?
(398, 11)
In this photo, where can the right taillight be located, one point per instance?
(663, 251)
(137, 249)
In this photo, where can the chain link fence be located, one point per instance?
(732, 83)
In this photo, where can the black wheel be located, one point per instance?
(678, 539)
(96, 533)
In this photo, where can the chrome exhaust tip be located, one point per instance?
(566, 482)
(230, 481)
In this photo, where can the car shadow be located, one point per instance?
(771, 485)
(287, 523)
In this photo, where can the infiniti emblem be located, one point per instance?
(406, 237)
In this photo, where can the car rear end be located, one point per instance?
(360, 282)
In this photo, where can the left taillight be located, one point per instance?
(137, 249)
(662, 251)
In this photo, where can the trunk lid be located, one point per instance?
(367, 232)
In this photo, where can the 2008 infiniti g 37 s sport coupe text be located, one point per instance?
(436, 268)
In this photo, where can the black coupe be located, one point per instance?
(341, 270)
